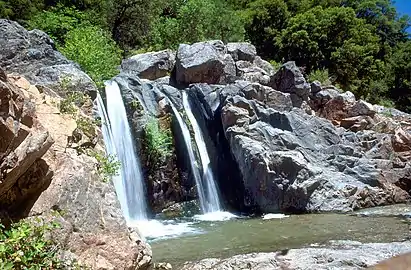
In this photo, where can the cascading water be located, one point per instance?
(209, 190)
(193, 163)
(128, 183)
(119, 142)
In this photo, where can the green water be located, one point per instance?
(224, 239)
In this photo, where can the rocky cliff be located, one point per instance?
(45, 168)
(278, 143)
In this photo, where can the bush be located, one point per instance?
(320, 75)
(196, 20)
(107, 167)
(158, 141)
(57, 22)
(24, 246)
(94, 50)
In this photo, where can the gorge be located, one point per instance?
(229, 132)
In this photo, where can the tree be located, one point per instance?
(58, 21)
(94, 50)
(264, 21)
(334, 39)
(197, 20)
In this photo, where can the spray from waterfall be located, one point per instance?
(119, 142)
(209, 189)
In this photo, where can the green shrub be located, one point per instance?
(107, 167)
(57, 21)
(194, 21)
(73, 97)
(94, 50)
(24, 246)
(158, 141)
(319, 75)
(276, 65)
(87, 125)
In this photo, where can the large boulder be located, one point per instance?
(289, 79)
(34, 55)
(202, 62)
(242, 51)
(151, 65)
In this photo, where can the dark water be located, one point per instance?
(224, 239)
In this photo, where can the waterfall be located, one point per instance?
(209, 190)
(193, 163)
(118, 140)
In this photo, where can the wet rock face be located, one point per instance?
(339, 255)
(166, 180)
(33, 55)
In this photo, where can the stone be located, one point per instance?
(315, 87)
(151, 65)
(361, 107)
(264, 65)
(200, 62)
(24, 141)
(289, 79)
(347, 255)
(33, 54)
(242, 51)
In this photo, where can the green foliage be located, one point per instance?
(276, 65)
(264, 20)
(320, 75)
(196, 20)
(25, 246)
(73, 98)
(57, 21)
(87, 126)
(108, 165)
(20, 10)
(94, 50)
(158, 141)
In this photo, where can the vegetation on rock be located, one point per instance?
(107, 166)
(158, 141)
(25, 246)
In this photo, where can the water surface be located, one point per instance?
(228, 238)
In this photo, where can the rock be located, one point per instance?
(242, 51)
(266, 66)
(24, 141)
(249, 72)
(315, 87)
(361, 108)
(33, 54)
(205, 62)
(286, 161)
(289, 79)
(43, 177)
(356, 123)
(336, 255)
(151, 65)
(201, 62)
(401, 141)
(182, 209)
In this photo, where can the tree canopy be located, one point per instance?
(362, 45)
